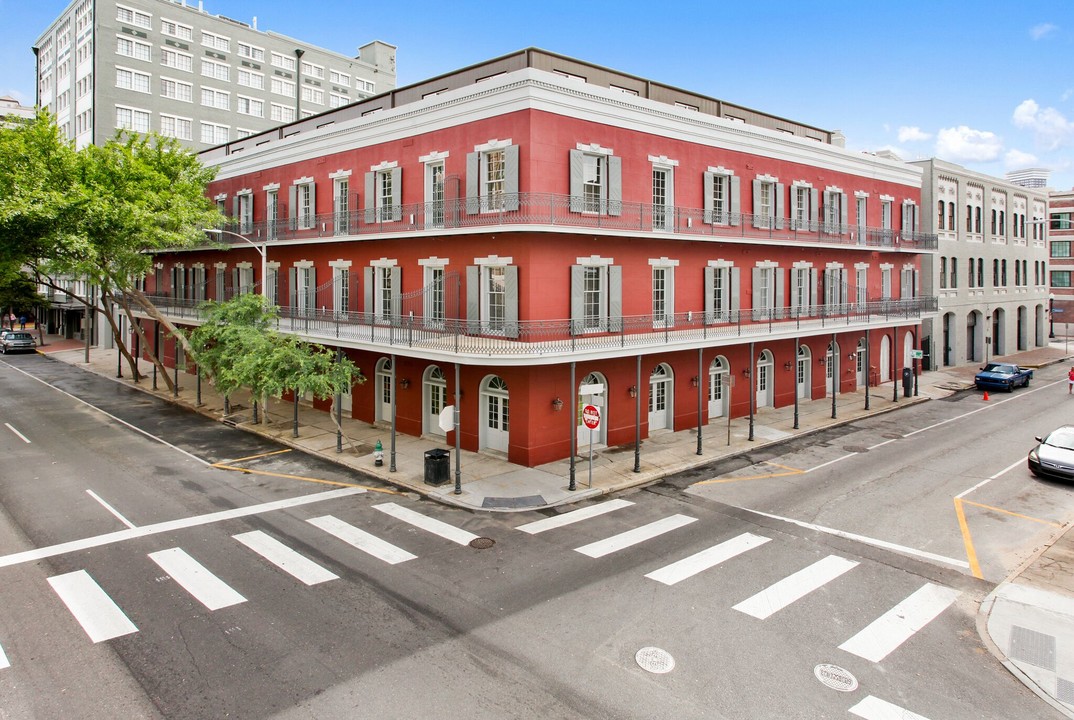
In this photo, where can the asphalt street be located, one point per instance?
(143, 579)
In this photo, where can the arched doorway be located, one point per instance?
(382, 401)
(885, 359)
(907, 350)
(600, 435)
(949, 339)
(660, 395)
(1040, 326)
(764, 380)
(999, 332)
(719, 390)
(974, 336)
(803, 373)
(495, 414)
(861, 367)
(433, 400)
(831, 369)
(1022, 331)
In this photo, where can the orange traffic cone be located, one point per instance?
(986, 395)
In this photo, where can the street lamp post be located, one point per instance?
(262, 249)
(1051, 317)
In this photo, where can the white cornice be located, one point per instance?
(532, 89)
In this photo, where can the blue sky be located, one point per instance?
(984, 84)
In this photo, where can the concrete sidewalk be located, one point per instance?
(1028, 620)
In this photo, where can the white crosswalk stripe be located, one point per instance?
(298, 566)
(97, 613)
(698, 562)
(3, 660)
(208, 589)
(898, 624)
(794, 587)
(362, 540)
(436, 527)
(635, 536)
(873, 708)
(568, 518)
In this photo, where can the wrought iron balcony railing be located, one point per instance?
(564, 211)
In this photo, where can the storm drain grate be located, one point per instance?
(1064, 690)
(482, 543)
(1033, 647)
(655, 660)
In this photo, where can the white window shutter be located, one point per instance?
(370, 198)
(780, 205)
(367, 278)
(736, 202)
(577, 302)
(758, 220)
(614, 314)
(709, 186)
(758, 300)
(576, 165)
(615, 185)
(511, 167)
(710, 301)
(511, 328)
(735, 300)
(473, 299)
(397, 194)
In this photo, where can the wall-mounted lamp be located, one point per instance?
(745, 372)
(851, 356)
(404, 383)
(694, 381)
(557, 404)
(821, 360)
(633, 391)
(787, 365)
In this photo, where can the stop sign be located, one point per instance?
(591, 416)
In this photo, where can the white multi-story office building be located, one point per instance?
(173, 68)
(990, 271)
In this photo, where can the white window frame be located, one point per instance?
(251, 79)
(313, 70)
(339, 78)
(183, 91)
(341, 209)
(220, 43)
(216, 70)
(434, 271)
(312, 95)
(251, 52)
(137, 49)
(177, 122)
(246, 105)
(279, 86)
(134, 114)
(133, 17)
(219, 99)
(177, 30)
(131, 77)
(286, 62)
(281, 113)
(216, 130)
(184, 62)
(663, 291)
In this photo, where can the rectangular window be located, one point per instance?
(384, 287)
(885, 214)
(249, 106)
(861, 282)
(215, 70)
(177, 60)
(943, 273)
(133, 17)
(176, 90)
(313, 95)
(183, 32)
(282, 113)
(1062, 220)
(213, 134)
(765, 209)
(385, 199)
(251, 79)
(593, 175)
(971, 274)
(980, 272)
(862, 216)
(341, 291)
(282, 87)
(250, 51)
(312, 70)
(1061, 278)
(216, 42)
(434, 294)
(215, 98)
(132, 119)
(434, 194)
(339, 78)
(272, 212)
(246, 213)
(336, 100)
(495, 300)
(494, 176)
(131, 80)
(659, 294)
(1060, 248)
(134, 49)
(720, 199)
(592, 294)
(176, 127)
(885, 283)
(305, 206)
(283, 61)
(720, 286)
(366, 86)
(801, 207)
(660, 198)
(342, 206)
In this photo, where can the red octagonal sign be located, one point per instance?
(591, 416)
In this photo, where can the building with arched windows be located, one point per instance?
(535, 232)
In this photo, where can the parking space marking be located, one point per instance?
(1012, 513)
(21, 436)
(989, 479)
(967, 540)
(3, 660)
(259, 455)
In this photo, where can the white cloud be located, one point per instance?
(1050, 128)
(964, 144)
(1043, 30)
(912, 134)
(1016, 159)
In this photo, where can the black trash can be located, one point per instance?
(437, 466)
(907, 381)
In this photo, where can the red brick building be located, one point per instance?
(1061, 261)
(513, 231)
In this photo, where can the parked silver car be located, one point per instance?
(17, 341)
(1054, 456)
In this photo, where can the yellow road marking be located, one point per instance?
(716, 481)
(1013, 514)
(338, 483)
(254, 457)
(967, 540)
(785, 467)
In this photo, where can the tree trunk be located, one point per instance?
(163, 371)
(119, 337)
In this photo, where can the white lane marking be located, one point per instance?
(208, 589)
(21, 436)
(867, 540)
(170, 525)
(794, 587)
(873, 708)
(898, 624)
(698, 562)
(880, 444)
(982, 409)
(567, 518)
(1004, 471)
(635, 536)
(436, 527)
(111, 509)
(98, 615)
(113, 417)
(830, 462)
(3, 660)
(370, 544)
(294, 564)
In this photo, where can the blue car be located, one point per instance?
(1002, 376)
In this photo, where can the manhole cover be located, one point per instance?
(655, 660)
(891, 436)
(836, 677)
(855, 449)
(482, 543)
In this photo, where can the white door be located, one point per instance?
(718, 388)
(803, 374)
(660, 399)
(434, 399)
(885, 359)
(831, 370)
(497, 415)
(384, 390)
(764, 381)
(861, 366)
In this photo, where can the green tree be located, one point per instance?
(237, 346)
(18, 293)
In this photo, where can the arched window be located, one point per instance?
(942, 210)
